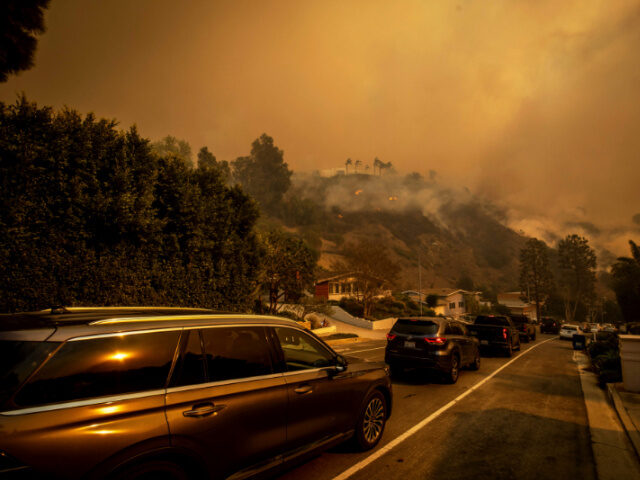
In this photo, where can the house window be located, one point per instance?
(461, 304)
(452, 305)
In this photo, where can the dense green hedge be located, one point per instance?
(89, 215)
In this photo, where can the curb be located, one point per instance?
(625, 419)
(614, 454)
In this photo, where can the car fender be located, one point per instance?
(155, 448)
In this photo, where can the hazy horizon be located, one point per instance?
(531, 105)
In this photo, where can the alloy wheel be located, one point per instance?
(373, 421)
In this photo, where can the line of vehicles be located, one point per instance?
(139, 393)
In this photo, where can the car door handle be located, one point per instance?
(302, 389)
(203, 410)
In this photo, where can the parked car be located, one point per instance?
(526, 329)
(175, 393)
(496, 332)
(568, 330)
(437, 344)
(549, 325)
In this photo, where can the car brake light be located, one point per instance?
(391, 336)
(504, 333)
(436, 340)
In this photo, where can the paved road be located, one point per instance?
(526, 421)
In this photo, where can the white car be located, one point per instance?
(568, 331)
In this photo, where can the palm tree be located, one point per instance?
(358, 163)
(376, 164)
(346, 166)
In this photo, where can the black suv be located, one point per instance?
(549, 325)
(432, 343)
(174, 393)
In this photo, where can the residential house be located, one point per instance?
(451, 302)
(338, 286)
(513, 301)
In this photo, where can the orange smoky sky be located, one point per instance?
(533, 104)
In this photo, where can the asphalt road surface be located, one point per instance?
(516, 418)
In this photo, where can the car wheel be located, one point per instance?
(454, 370)
(533, 337)
(526, 338)
(519, 345)
(475, 365)
(371, 421)
(152, 470)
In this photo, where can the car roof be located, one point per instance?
(61, 324)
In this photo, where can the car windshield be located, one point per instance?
(415, 327)
(17, 361)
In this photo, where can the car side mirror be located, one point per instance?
(340, 364)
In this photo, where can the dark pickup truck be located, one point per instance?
(526, 329)
(496, 332)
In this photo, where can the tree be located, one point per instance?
(432, 300)
(288, 266)
(377, 164)
(89, 215)
(22, 21)
(374, 270)
(626, 283)
(576, 264)
(207, 160)
(173, 146)
(347, 164)
(465, 282)
(536, 279)
(264, 175)
(357, 164)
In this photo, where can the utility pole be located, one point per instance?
(420, 283)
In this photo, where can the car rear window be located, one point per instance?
(18, 360)
(103, 366)
(415, 327)
(570, 327)
(482, 320)
(519, 319)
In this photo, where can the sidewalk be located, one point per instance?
(627, 404)
(614, 455)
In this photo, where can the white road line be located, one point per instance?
(360, 351)
(398, 440)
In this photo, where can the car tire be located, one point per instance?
(519, 346)
(371, 422)
(526, 338)
(454, 369)
(533, 337)
(475, 365)
(152, 470)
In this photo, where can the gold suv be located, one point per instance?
(175, 394)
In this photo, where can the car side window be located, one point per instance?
(113, 365)
(236, 352)
(190, 368)
(302, 351)
(448, 330)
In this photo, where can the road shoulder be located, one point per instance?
(614, 455)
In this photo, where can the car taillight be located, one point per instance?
(504, 333)
(391, 336)
(436, 340)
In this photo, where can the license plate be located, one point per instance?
(410, 344)
(484, 342)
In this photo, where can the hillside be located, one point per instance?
(454, 234)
